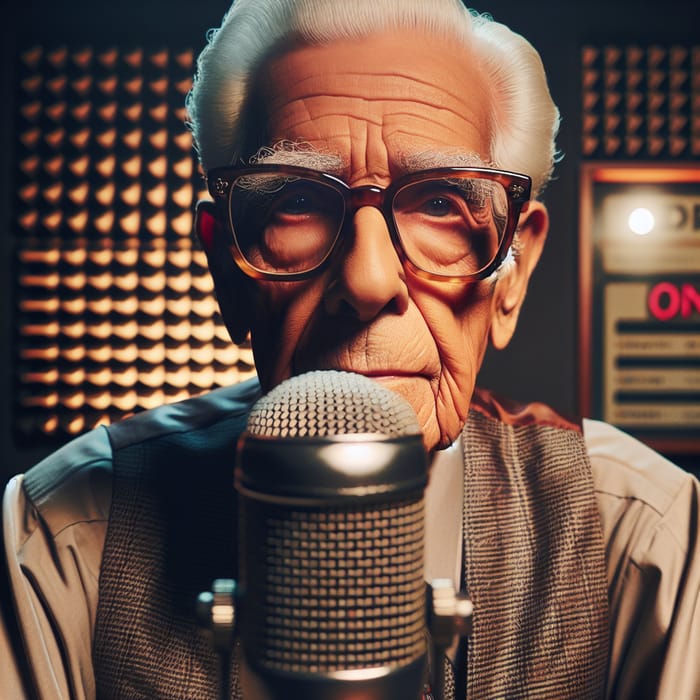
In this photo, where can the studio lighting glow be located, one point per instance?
(641, 221)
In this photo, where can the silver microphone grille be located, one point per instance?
(332, 579)
(331, 403)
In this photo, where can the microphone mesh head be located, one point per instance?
(336, 587)
(325, 403)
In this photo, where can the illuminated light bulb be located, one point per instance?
(104, 222)
(177, 395)
(56, 111)
(44, 306)
(48, 377)
(183, 168)
(183, 86)
(133, 86)
(227, 376)
(42, 330)
(108, 85)
(133, 138)
(108, 112)
(100, 377)
(133, 112)
(74, 330)
(131, 223)
(203, 378)
(73, 354)
(127, 354)
(125, 402)
(50, 281)
(158, 139)
(81, 86)
(158, 86)
(53, 220)
(101, 353)
(53, 194)
(246, 356)
(105, 167)
(183, 196)
(48, 400)
(100, 400)
(127, 256)
(79, 167)
(184, 59)
(155, 330)
(153, 399)
(179, 307)
(203, 355)
(107, 138)
(128, 282)
(30, 165)
(74, 256)
(157, 195)
(221, 333)
(204, 308)
(155, 282)
(31, 111)
(180, 283)
(57, 85)
(49, 354)
(102, 330)
(159, 58)
(227, 356)
(74, 425)
(180, 330)
(159, 113)
(127, 306)
(100, 257)
(153, 377)
(183, 141)
(154, 306)
(126, 377)
(157, 224)
(73, 306)
(73, 377)
(75, 281)
(182, 224)
(641, 221)
(203, 283)
(204, 331)
(179, 377)
(131, 195)
(55, 138)
(81, 139)
(73, 400)
(82, 57)
(134, 58)
(78, 222)
(158, 167)
(126, 331)
(81, 112)
(32, 83)
(78, 195)
(30, 138)
(132, 167)
(44, 257)
(28, 220)
(154, 257)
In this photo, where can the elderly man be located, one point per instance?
(374, 167)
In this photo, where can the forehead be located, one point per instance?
(378, 99)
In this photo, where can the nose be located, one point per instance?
(368, 278)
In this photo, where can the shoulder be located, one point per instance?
(641, 494)
(74, 484)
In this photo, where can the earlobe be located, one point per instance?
(510, 291)
(233, 288)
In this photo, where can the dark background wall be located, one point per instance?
(541, 363)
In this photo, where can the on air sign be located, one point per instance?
(669, 300)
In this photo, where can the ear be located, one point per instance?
(234, 291)
(511, 288)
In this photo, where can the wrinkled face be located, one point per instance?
(376, 104)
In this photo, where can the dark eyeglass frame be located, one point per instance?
(516, 186)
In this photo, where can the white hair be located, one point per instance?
(524, 118)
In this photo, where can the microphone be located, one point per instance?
(331, 473)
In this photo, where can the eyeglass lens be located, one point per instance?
(448, 226)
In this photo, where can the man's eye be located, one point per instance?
(438, 206)
(296, 204)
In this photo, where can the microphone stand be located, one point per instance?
(450, 616)
(216, 612)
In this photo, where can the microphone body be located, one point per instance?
(331, 474)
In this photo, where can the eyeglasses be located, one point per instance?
(450, 224)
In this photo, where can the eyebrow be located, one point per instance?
(440, 158)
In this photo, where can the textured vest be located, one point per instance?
(533, 553)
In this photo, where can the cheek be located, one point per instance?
(283, 311)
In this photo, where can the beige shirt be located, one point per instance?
(650, 512)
